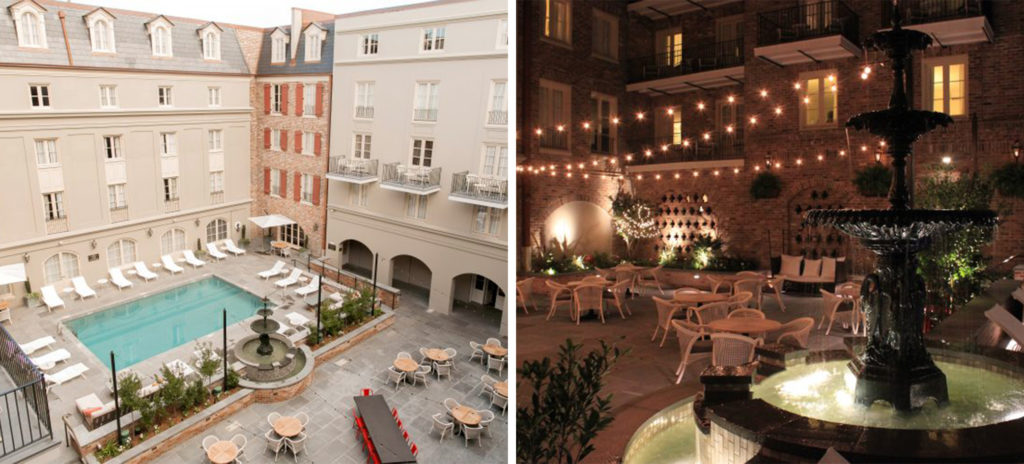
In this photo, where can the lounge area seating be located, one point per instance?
(211, 249)
(170, 265)
(82, 288)
(191, 259)
(66, 375)
(37, 344)
(50, 298)
(94, 411)
(817, 273)
(292, 279)
(49, 360)
(310, 288)
(274, 271)
(118, 279)
(142, 271)
(229, 245)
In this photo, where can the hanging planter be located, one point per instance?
(873, 181)
(1009, 180)
(766, 185)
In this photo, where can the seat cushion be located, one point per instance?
(828, 269)
(790, 265)
(89, 404)
(812, 268)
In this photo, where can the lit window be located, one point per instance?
(368, 44)
(426, 102)
(433, 39)
(108, 96)
(112, 146)
(948, 90)
(819, 104)
(165, 97)
(40, 95)
(213, 94)
(557, 20)
(670, 47)
(216, 140)
(361, 146)
(416, 206)
(422, 152)
(46, 153)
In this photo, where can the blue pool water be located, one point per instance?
(140, 329)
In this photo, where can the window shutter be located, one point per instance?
(298, 186)
(284, 140)
(266, 180)
(298, 99)
(298, 141)
(316, 190)
(266, 98)
(284, 184)
(284, 98)
(266, 138)
(319, 99)
(316, 146)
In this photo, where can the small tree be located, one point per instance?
(634, 220)
(565, 411)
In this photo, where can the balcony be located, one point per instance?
(721, 150)
(698, 67)
(429, 115)
(171, 205)
(949, 22)
(659, 9)
(352, 170)
(217, 197)
(497, 118)
(364, 112)
(416, 180)
(119, 214)
(57, 225)
(479, 189)
(809, 33)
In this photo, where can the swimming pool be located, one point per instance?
(146, 327)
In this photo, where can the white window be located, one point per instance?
(46, 153)
(172, 241)
(164, 96)
(61, 266)
(278, 49)
(313, 44)
(112, 147)
(497, 114)
(275, 140)
(31, 28)
(495, 161)
(306, 188)
(275, 182)
(503, 34)
(554, 112)
(947, 90)
(216, 181)
(309, 100)
(170, 188)
(426, 101)
(120, 253)
(308, 142)
(819, 104)
(416, 206)
(364, 100)
(161, 36)
(433, 39)
(168, 144)
(357, 194)
(422, 152)
(213, 94)
(275, 98)
(40, 95)
(108, 96)
(115, 196)
(361, 146)
(368, 44)
(557, 20)
(53, 204)
(487, 220)
(294, 235)
(216, 140)
(102, 34)
(216, 230)
(602, 108)
(605, 35)
(211, 44)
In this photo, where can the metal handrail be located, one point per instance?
(926, 11)
(687, 60)
(416, 177)
(360, 168)
(480, 187)
(807, 21)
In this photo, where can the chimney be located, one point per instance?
(296, 31)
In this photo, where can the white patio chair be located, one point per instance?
(493, 341)
(170, 265)
(82, 287)
(396, 376)
(745, 312)
(274, 443)
(424, 359)
(303, 418)
(118, 279)
(38, 344)
(191, 259)
(239, 441)
(712, 312)
(292, 279)
(478, 351)
(5, 315)
(688, 334)
(442, 426)
(230, 246)
(523, 293)
(450, 403)
(209, 441)
(273, 417)
(274, 271)
(50, 298)
(211, 249)
(421, 374)
(589, 296)
(560, 295)
(740, 300)
(795, 332)
(667, 309)
(297, 319)
(404, 355)
(776, 287)
(488, 384)
(49, 360)
(472, 433)
(444, 368)
(310, 288)
(731, 349)
(65, 375)
(500, 401)
(451, 355)
(617, 294)
(830, 308)
(719, 284)
(486, 417)
(650, 276)
(495, 364)
(142, 271)
(754, 287)
(297, 444)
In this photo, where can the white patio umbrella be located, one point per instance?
(12, 274)
(271, 220)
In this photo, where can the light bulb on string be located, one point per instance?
(629, 157)
(677, 175)
(842, 152)
(731, 99)
(568, 174)
(753, 120)
(707, 136)
(700, 106)
(807, 100)
(639, 116)
(586, 125)
(538, 131)
(778, 110)
(560, 128)
(799, 161)
(696, 173)
(647, 153)
(593, 163)
(615, 120)
(796, 86)
(735, 170)
(664, 147)
(728, 128)
(764, 93)
(615, 161)
(670, 111)
(657, 177)
(821, 157)
(586, 176)
(581, 165)
(715, 172)
(686, 142)
(778, 165)
(757, 167)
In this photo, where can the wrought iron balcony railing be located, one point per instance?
(807, 21)
(171, 205)
(687, 60)
(354, 170)
(411, 179)
(478, 189)
(929, 11)
(217, 197)
(497, 118)
(119, 214)
(365, 112)
(424, 114)
(57, 225)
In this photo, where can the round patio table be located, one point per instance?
(405, 365)
(279, 246)
(744, 325)
(222, 452)
(501, 388)
(3, 305)
(287, 426)
(697, 299)
(466, 415)
(495, 350)
(437, 354)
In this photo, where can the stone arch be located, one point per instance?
(583, 224)
(356, 257)
(411, 275)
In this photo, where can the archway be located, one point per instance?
(478, 298)
(356, 258)
(412, 277)
(584, 226)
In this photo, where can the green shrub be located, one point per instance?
(873, 181)
(766, 185)
(1009, 180)
(172, 393)
(232, 379)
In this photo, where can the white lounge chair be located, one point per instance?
(191, 259)
(118, 279)
(292, 279)
(170, 265)
(50, 298)
(338, 300)
(144, 272)
(180, 368)
(214, 252)
(49, 360)
(37, 344)
(230, 246)
(297, 319)
(275, 271)
(310, 288)
(82, 288)
(66, 375)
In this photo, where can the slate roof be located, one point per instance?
(131, 41)
(324, 66)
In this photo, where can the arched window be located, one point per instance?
(211, 45)
(216, 230)
(172, 241)
(102, 36)
(293, 234)
(161, 41)
(61, 266)
(31, 28)
(120, 253)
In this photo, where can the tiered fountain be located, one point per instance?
(269, 357)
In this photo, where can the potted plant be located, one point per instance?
(766, 185)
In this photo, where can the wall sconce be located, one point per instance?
(316, 227)
(878, 156)
(768, 160)
(93, 244)
(238, 226)
(1016, 150)
(25, 257)
(197, 222)
(149, 232)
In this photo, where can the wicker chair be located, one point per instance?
(740, 300)
(752, 286)
(732, 350)
(442, 426)
(776, 286)
(560, 294)
(523, 293)
(617, 295)
(746, 312)
(589, 296)
(650, 276)
(688, 335)
(830, 308)
(712, 312)
(795, 332)
(717, 284)
(396, 376)
(666, 310)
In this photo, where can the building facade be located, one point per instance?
(419, 150)
(125, 137)
(292, 125)
(715, 93)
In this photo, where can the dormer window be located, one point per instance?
(101, 30)
(211, 41)
(160, 36)
(314, 42)
(28, 20)
(278, 46)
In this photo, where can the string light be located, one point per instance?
(796, 86)
(863, 148)
(831, 77)
(686, 142)
(568, 174)
(842, 152)
(799, 161)
(629, 157)
(834, 88)
(728, 128)
(560, 128)
(700, 106)
(807, 100)
(821, 157)
(764, 93)
(778, 165)
(539, 131)
(647, 153)
(640, 116)
(715, 172)
(615, 120)
(568, 167)
(778, 110)
(757, 167)
(593, 163)
(670, 111)
(753, 120)
(657, 177)
(696, 173)
(707, 136)
(735, 170)
(581, 165)
(664, 148)
(947, 160)
(731, 99)
(586, 176)
(586, 125)
(677, 175)
(615, 161)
